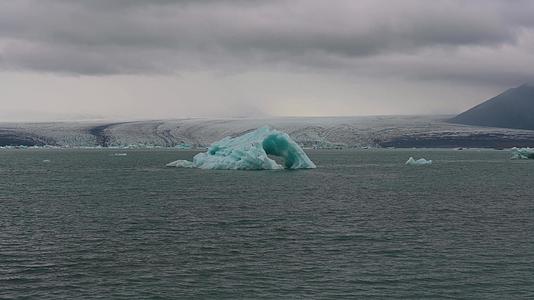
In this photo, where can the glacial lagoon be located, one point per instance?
(88, 224)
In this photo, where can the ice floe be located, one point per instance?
(180, 164)
(522, 153)
(420, 162)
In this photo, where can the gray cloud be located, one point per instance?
(481, 41)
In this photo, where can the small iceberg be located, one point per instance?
(46, 160)
(419, 162)
(183, 146)
(180, 164)
(120, 154)
(251, 151)
(522, 153)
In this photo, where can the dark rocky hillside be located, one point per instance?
(512, 109)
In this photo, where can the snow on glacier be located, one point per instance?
(250, 152)
(419, 162)
(522, 153)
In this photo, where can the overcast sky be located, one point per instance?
(131, 59)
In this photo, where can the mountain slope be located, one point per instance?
(512, 109)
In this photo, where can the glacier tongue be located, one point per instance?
(250, 152)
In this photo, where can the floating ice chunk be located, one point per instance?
(419, 162)
(120, 154)
(183, 146)
(250, 152)
(522, 153)
(46, 160)
(180, 164)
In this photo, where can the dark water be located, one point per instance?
(362, 226)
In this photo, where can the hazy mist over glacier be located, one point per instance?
(118, 59)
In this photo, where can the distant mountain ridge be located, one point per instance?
(512, 109)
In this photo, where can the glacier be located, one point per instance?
(522, 153)
(311, 132)
(251, 151)
(419, 162)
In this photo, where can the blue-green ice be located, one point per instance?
(251, 151)
(522, 153)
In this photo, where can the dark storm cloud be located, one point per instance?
(419, 39)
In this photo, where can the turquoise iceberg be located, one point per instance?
(251, 151)
(522, 153)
